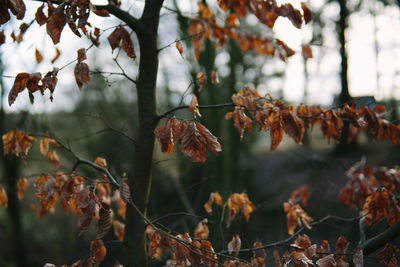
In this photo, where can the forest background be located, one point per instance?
(98, 122)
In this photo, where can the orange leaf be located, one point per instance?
(101, 162)
(306, 51)
(204, 11)
(22, 184)
(214, 77)
(167, 133)
(292, 124)
(215, 197)
(201, 79)
(97, 251)
(179, 47)
(194, 140)
(194, 106)
(119, 229)
(81, 73)
(387, 256)
(58, 53)
(3, 197)
(202, 230)
(38, 55)
(18, 86)
(301, 194)
(17, 142)
(239, 202)
(234, 245)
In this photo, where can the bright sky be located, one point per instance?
(323, 69)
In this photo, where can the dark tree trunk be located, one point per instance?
(10, 176)
(134, 251)
(344, 13)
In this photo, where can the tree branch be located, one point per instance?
(381, 239)
(135, 24)
(199, 106)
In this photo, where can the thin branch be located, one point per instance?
(184, 38)
(135, 24)
(200, 107)
(79, 161)
(381, 239)
(122, 69)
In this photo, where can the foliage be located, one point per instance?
(99, 199)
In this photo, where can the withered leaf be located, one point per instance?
(119, 229)
(179, 46)
(58, 53)
(125, 190)
(17, 143)
(202, 231)
(167, 133)
(97, 251)
(2, 38)
(306, 13)
(81, 55)
(38, 56)
(215, 197)
(120, 38)
(40, 16)
(214, 77)
(104, 222)
(18, 86)
(56, 23)
(306, 51)
(201, 79)
(234, 245)
(3, 197)
(358, 258)
(194, 106)
(81, 73)
(22, 184)
(194, 140)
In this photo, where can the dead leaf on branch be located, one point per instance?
(55, 23)
(215, 197)
(3, 197)
(202, 231)
(22, 184)
(17, 143)
(234, 245)
(296, 216)
(201, 79)
(119, 229)
(105, 221)
(239, 202)
(179, 47)
(97, 251)
(194, 106)
(120, 38)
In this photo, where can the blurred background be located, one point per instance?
(356, 52)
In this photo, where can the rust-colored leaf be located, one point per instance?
(119, 229)
(56, 23)
(205, 12)
(231, 20)
(306, 51)
(17, 143)
(40, 16)
(215, 197)
(301, 194)
(105, 222)
(234, 245)
(81, 55)
(388, 255)
(22, 184)
(214, 77)
(202, 231)
(239, 202)
(295, 216)
(327, 261)
(3, 197)
(341, 247)
(167, 133)
(194, 140)
(18, 86)
(38, 56)
(81, 73)
(201, 79)
(306, 13)
(292, 124)
(194, 106)
(376, 206)
(125, 190)
(97, 251)
(179, 46)
(2, 38)
(57, 56)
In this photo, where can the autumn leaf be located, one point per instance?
(167, 134)
(376, 206)
(292, 124)
(341, 247)
(215, 197)
(38, 55)
(194, 140)
(388, 255)
(105, 222)
(22, 184)
(120, 38)
(194, 106)
(40, 16)
(301, 194)
(201, 79)
(2, 38)
(204, 11)
(17, 142)
(214, 77)
(19, 85)
(296, 216)
(125, 190)
(56, 23)
(81, 73)
(119, 229)
(306, 13)
(327, 261)
(179, 46)
(240, 120)
(358, 258)
(202, 231)
(97, 251)
(234, 245)
(3, 197)
(239, 202)
(306, 51)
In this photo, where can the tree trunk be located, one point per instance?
(10, 176)
(344, 13)
(134, 250)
